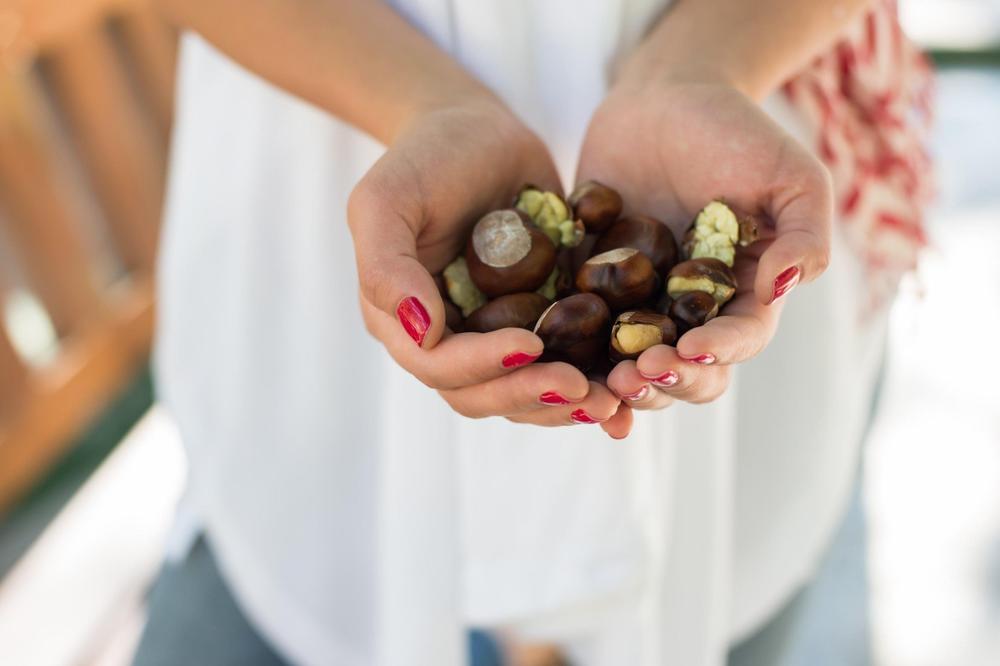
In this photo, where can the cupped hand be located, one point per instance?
(409, 217)
(670, 148)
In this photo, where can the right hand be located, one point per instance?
(410, 216)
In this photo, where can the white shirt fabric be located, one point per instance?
(358, 520)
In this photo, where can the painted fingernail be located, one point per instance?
(701, 359)
(552, 398)
(580, 416)
(785, 282)
(517, 359)
(414, 318)
(638, 395)
(666, 380)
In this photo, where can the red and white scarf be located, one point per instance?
(868, 100)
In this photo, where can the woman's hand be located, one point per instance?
(410, 216)
(670, 148)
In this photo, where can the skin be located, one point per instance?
(664, 136)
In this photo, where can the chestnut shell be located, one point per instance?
(666, 326)
(624, 277)
(646, 234)
(596, 205)
(693, 309)
(510, 311)
(519, 258)
(705, 268)
(575, 329)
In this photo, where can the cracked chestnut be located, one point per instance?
(707, 275)
(636, 331)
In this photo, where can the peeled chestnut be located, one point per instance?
(596, 205)
(575, 330)
(693, 309)
(459, 287)
(716, 232)
(646, 234)
(510, 311)
(636, 331)
(552, 215)
(707, 275)
(623, 277)
(507, 254)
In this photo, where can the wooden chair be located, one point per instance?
(85, 108)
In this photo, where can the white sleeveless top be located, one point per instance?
(360, 521)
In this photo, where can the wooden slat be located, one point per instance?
(30, 26)
(42, 216)
(65, 397)
(152, 46)
(118, 145)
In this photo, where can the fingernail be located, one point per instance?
(580, 416)
(518, 358)
(701, 359)
(666, 380)
(414, 318)
(552, 398)
(638, 395)
(785, 282)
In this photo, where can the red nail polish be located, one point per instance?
(552, 398)
(518, 358)
(414, 318)
(785, 281)
(701, 359)
(666, 380)
(580, 416)
(638, 395)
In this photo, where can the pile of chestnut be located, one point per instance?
(596, 287)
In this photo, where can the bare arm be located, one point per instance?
(358, 60)
(753, 46)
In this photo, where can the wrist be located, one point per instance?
(651, 70)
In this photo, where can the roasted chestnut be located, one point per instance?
(624, 277)
(693, 309)
(575, 329)
(459, 287)
(510, 311)
(716, 232)
(596, 205)
(646, 234)
(636, 331)
(552, 215)
(507, 254)
(708, 275)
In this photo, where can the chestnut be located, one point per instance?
(575, 330)
(716, 231)
(596, 205)
(460, 288)
(552, 215)
(507, 254)
(693, 309)
(623, 277)
(510, 311)
(646, 234)
(636, 331)
(708, 275)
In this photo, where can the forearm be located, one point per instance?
(357, 59)
(753, 45)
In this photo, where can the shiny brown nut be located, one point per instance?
(510, 311)
(453, 317)
(507, 254)
(459, 287)
(646, 234)
(596, 205)
(552, 215)
(624, 277)
(716, 231)
(708, 275)
(693, 309)
(636, 331)
(575, 329)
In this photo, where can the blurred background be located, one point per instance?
(91, 470)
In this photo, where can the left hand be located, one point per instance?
(669, 149)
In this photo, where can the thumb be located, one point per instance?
(389, 274)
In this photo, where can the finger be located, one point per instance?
(528, 389)
(680, 378)
(635, 390)
(620, 425)
(460, 359)
(390, 276)
(803, 215)
(599, 406)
